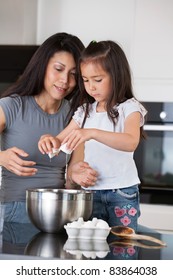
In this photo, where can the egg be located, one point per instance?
(102, 224)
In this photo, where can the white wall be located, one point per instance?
(90, 19)
(144, 29)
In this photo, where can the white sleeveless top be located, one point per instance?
(116, 168)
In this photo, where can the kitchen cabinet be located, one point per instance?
(152, 45)
(157, 217)
(18, 22)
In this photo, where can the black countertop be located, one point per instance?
(24, 241)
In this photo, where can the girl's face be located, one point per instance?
(97, 82)
(60, 77)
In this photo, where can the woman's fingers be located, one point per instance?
(22, 171)
(83, 174)
(47, 143)
(11, 160)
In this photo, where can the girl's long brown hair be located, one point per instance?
(113, 60)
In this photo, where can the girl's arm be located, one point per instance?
(124, 141)
(47, 142)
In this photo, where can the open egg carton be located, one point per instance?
(88, 248)
(95, 229)
(87, 238)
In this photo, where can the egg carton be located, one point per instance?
(88, 248)
(95, 229)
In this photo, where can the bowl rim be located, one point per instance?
(55, 190)
(61, 194)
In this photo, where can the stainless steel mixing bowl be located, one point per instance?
(50, 209)
(47, 245)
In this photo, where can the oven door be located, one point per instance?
(154, 158)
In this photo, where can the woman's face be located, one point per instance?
(60, 77)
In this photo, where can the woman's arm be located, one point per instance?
(124, 141)
(2, 120)
(10, 158)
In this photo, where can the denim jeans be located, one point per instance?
(117, 207)
(16, 212)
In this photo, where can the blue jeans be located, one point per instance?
(16, 212)
(117, 207)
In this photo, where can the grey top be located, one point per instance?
(25, 123)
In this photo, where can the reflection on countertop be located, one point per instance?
(24, 240)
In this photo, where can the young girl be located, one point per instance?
(109, 123)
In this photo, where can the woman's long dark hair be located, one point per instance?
(31, 82)
(113, 60)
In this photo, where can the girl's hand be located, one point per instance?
(47, 142)
(10, 159)
(78, 136)
(82, 174)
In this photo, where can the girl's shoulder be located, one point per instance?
(80, 113)
(132, 104)
(81, 109)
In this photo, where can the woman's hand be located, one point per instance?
(47, 142)
(82, 174)
(10, 159)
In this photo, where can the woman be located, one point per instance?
(37, 104)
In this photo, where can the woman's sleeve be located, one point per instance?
(10, 106)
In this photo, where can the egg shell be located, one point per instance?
(64, 149)
(54, 153)
(88, 224)
(102, 224)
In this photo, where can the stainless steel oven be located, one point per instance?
(154, 155)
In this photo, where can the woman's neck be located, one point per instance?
(48, 105)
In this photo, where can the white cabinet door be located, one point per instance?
(18, 22)
(158, 217)
(153, 49)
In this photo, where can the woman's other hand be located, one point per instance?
(47, 142)
(82, 174)
(10, 159)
